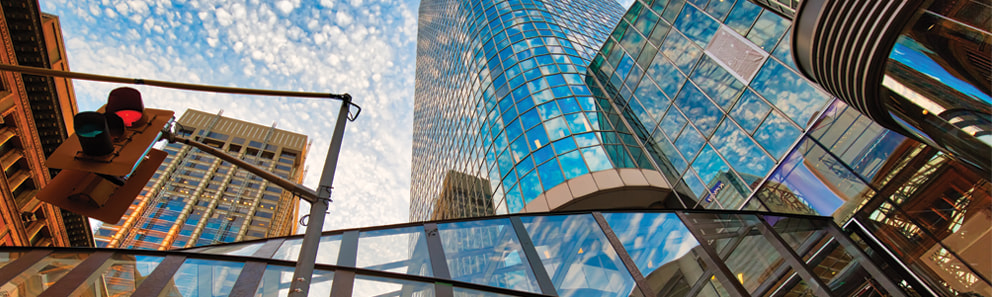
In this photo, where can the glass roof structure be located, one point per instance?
(616, 253)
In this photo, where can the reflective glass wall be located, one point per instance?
(665, 253)
(712, 91)
(502, 104)
(938, 77)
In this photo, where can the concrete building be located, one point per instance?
(36, 117)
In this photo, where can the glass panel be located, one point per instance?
(487, 252)
(376, 286)
(43, 274)
(234, 249)
(838, 269)
(199, 277)
(664, 251)
(289, 250)
(122, 275)
(7, 257)
(792, 286)
(713, 288)
(811, 181)
(463, 292)
(277, 280)
(327, 249)
(750, 257)
(577, 256)
(401, 250)
(927, 257)
(726, 190)
(792, 94)
(742, 153)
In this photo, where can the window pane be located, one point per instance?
(577, 256)
(488, 253)
(664, 251)
(123, 274)
(46, 272)
(277, 280)
(401, 250)
(199, 277)
(376, 286)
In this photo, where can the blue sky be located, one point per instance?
(363, 47)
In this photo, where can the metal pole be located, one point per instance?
(308, 251)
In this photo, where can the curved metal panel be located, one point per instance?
(844, 45)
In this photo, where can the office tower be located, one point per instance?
(36, 118)
(720, 93)
(500, 96)
(738, 115)
(196, 199)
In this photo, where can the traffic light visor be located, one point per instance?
(126, 103)
(93, 132)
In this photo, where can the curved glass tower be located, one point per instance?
(504, 121)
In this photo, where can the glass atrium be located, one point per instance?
(642, 253)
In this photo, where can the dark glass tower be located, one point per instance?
(501, 97)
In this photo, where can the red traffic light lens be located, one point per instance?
(129, 116)
(125, 103)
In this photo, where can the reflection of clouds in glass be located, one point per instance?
(776, 134)
(709, 165)
(577, 256)
(400, 250)
(596, 158)
(750, 110)
(788, 91)
(377, 286)
(740, 151)
(698, 109)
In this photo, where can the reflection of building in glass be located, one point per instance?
(35, 117)
(923, 71)
(653, 253)
(733, 104)
(196, 199)
(500, 94)
(463, 196)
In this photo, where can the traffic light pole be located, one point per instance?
(319, 199)
(318, 209)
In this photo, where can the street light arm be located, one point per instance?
(171, 85)
(298, 189)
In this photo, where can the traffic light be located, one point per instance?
(108, 159)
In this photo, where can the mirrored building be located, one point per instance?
(640, 253)
(740, 108)
(501, 96)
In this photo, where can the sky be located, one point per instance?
(366, 48)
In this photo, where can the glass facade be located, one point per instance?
(647, 253)
(714, 94)
(712, 91)
(195, 199)
(502, 105)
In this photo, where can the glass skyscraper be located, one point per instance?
(718, 97)
(195, 199)
(501, 96)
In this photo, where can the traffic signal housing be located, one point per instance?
(108, 159)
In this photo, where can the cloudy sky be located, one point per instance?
(363, 47)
